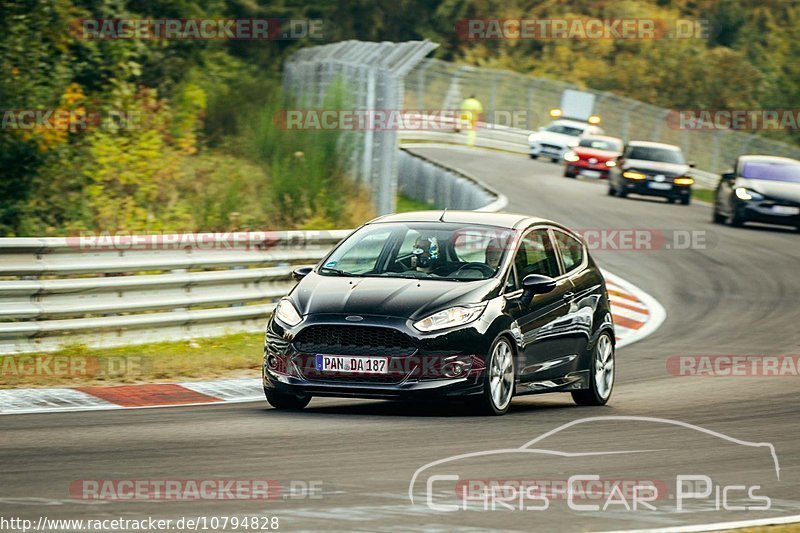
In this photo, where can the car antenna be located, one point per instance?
(441, 218)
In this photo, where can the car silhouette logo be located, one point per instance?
(660, 177)
(593, 160)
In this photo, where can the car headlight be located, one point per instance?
(286, 313)
(748, 194)
(448, 318)
(571, 156)
(633, 175)
(684, 180)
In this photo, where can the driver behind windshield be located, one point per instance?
(426, 255)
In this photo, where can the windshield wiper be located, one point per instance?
(340, 272)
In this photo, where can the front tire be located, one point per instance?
(686, 200)
(601, 374)
(569, 171)
(718, 218)
(498, 385)
(286, 401)
(734, 219)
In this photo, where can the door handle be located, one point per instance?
(569, 296)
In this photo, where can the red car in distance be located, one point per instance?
(593, 157)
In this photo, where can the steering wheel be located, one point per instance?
(485, 269)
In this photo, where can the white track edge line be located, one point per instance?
(718, 526)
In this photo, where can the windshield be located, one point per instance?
(763, 170)
(436, 250)
(601, 144)
(651, 153)
(564, 130)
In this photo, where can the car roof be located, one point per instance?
(652, 144)
(768, 159)
(503, 220)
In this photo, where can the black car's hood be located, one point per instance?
(398, 297)
(657, 167)
(777, 190)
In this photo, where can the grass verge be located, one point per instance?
(404, 203)
(237, 355)
(704, 195)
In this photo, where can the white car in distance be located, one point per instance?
(558, 137)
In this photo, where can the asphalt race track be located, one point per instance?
(738, 295)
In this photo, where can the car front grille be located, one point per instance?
(354, 340)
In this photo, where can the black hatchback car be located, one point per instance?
(759, 189)
(651, 169)
(479, 306)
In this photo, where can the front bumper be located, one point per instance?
(650, 187)
(585, 168)
(290, 369)
(764, 211)
(547, 149)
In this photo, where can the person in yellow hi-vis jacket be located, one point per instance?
(471, 110)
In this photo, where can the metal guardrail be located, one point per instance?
(131, 290)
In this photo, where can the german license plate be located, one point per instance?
(785, 210)
(590, 173)
(345, 363)
(659, 186)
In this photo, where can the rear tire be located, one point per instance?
(500, 380)
(686, 200)
(286, 401)
(534, 156)
(670, 200)
(601, 374)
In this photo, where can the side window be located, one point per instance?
(535, 255)
(571, 250)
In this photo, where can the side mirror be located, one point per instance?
(691, 164)
(534, 284)
(301, 272)
(729, 176)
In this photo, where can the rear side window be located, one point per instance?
(571, 250)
